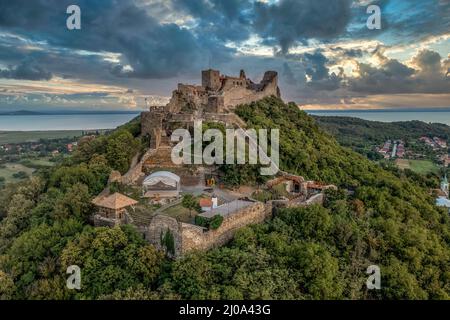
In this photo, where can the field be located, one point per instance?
(10, 168)
(423, 166)
(37, 162)
(418, 166)
(31, 136)
(402, 164)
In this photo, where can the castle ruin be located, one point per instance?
(213, 100)
(167, 227)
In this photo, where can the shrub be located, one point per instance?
(202, 221)
(210, 223)
(215, 222)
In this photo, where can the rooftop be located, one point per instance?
(114, 201)
(205, 202)
(443, 202)
(227, 208)
(162, 175)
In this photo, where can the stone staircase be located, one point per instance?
(140, 216)
(161, 158)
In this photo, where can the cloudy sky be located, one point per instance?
(127, 50)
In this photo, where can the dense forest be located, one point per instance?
(380, 217)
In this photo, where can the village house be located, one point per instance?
(208, 204)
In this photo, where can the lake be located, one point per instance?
(112, 120)
(64, 121)
(389, 116)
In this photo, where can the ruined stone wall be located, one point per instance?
(133, 174)
(228, 118)
(315, 199)
(190, 237)
(100, 221)
(218, 93)
(182, 117)
(299, 202)
(242, 95)
(215, 104)
(151, 124)
(161, 224)
(135, 171)
(231, 82)
(187, 98)
(196, 238)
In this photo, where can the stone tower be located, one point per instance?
(151, 125)
(211, 79)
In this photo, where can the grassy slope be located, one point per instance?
(11, 168)
(423, 166)
(31, 136)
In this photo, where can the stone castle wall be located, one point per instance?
(155, 232)
(135, 171)
(228, 118)
(152, 125)
(188, 237)
(299, 202)
(196, 238)
(236, 95)
(217, 95)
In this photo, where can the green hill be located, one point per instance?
(377, 217)
(362, 135)
(348, 129)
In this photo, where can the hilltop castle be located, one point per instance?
(159, 215)
(214, 100)
(219, 93)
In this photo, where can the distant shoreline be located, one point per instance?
(66, 113)
(374, 110)
(59, 122)
(428, 116)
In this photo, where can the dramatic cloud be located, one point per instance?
(25, 71)
(322, 49)
(289, 21)
(226, 20)
(393, 76)
(147, 48)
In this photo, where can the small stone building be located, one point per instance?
(112, 209)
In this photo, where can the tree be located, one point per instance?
(120, 149)
(6, 286)
(216, 222)
(191, 203)
(75, 203)
(112, 259)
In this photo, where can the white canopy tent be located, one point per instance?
(165, 177)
